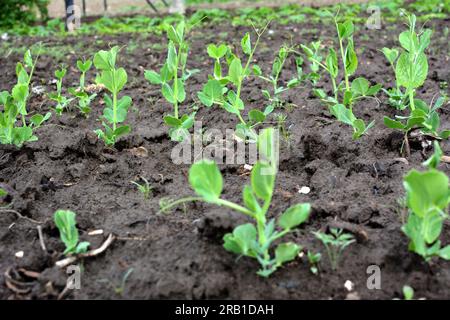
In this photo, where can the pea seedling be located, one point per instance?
(84, 99)
(15, 106)
(411, 72)
(216, 92)
(274, 79)
(115, 112)
(254, 240)
(335, 242)
(66, 224)
(62, 101)
(428, 196)
(345, 94)
(172, 78)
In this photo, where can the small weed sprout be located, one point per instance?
(314, 259)
(84, 99)
(115, 112)
(61, 101)
(145, 188)
(428, 196)
(335, 242)
(254, 240)
(172, 79)
(15, 106)
(66, 224)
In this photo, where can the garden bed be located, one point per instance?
(354, 184)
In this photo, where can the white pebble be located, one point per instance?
(349, 285)
(19, 254)
(304, 190)
(248, 167)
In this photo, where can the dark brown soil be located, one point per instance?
(179, 255)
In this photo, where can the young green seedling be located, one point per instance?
(216, 91)
(144, 188)
(346, 93)
(428, 196)
(115, 112)
(172, 78)
(15, 107)
(411, 72)
(274, 79)
(408, 292)
(84, 99)
(62, 101)
(256, 239)
(314, 259)
(66, 224)
(335, 242)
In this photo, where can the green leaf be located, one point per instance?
(393, 124)
(235, 71)
(360, 86)
(124, 103)
(408, 292)
(217, 52)
(172, 35)
(351, 60)
(250, 200)
(65, 222)
(435, 159)
(346, 29)
(120, 131)
(444, 253)
(3, 193)
(411, 75)
(343, 114)
(211, 93)
(82, 247)
(257, 70)
(409, 41)
(246, 44)
(390, 54)
(84, 66)
(242, 240)
(178, 134)
(168, 93)
(172, 121)
(153, 77)
(106, 60)
(294, 216)
(268, 146)
(426, 192)
(263, 180)
(332, 63)
(28, 60)
(256, 116)
(181, 93)
(286, 252)
(206, 179)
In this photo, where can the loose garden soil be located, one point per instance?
(354, 184)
